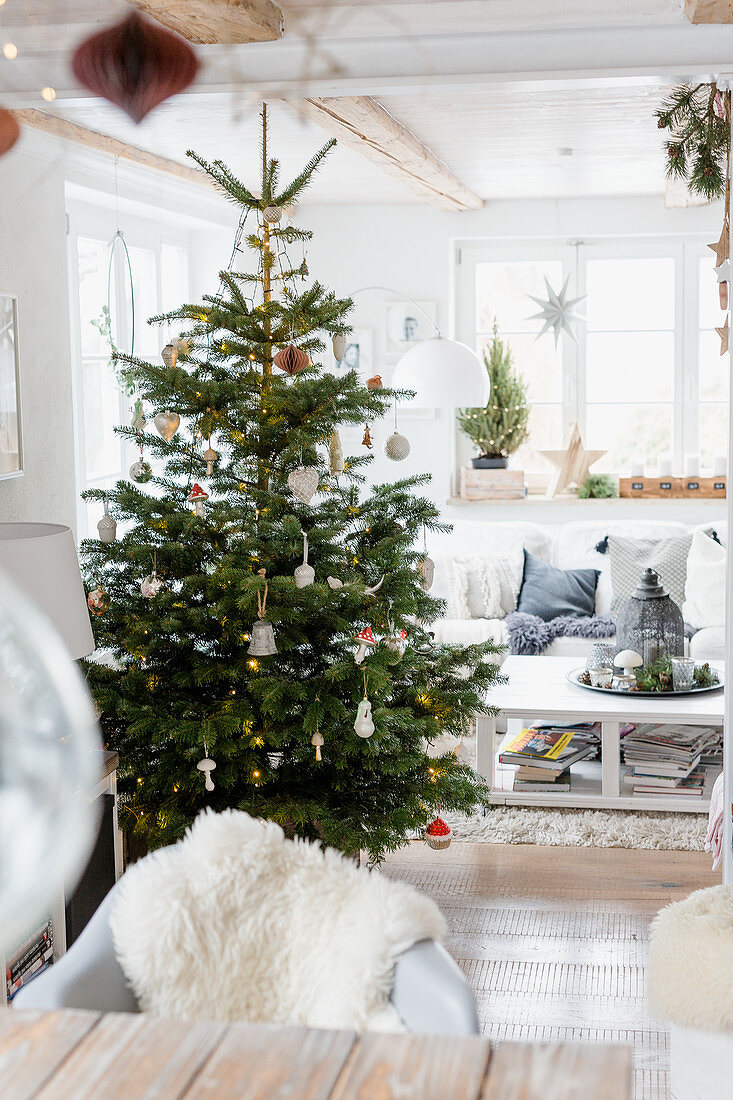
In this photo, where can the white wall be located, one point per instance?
(413, 249)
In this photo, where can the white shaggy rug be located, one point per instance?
(583, 828)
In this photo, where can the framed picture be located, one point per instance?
(359, 354)
(11, 443)
(406, 325)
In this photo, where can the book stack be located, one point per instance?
(29, 959)
(666, 759)
(545, 753)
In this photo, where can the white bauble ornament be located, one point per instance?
(141, 471)
(167, 424)
(305, 574)
(107, 527)
(397, 447)
(151, 586)
(272, 214)
(426, 569)
(336, 454)
(364, 725)
(338, 343)
(207, 766)
(169, 355)
(303, 483)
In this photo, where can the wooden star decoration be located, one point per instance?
(723, 334)
(573, 464)
(722, 247)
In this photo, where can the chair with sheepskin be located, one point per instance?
(237, 923)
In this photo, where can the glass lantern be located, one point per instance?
(650, 623)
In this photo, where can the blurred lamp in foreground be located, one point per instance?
(48, 764)
(443, 373)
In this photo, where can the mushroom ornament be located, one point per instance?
(210, 457)
(365, 639)
(627, 660)
(317, 742)
(438, 834)
(198, 498)
(207, 766)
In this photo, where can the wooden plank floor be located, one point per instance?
(554, 940)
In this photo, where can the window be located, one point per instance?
(645, 376)
(159, 263)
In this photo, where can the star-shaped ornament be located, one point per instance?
(573, 464)
(723, 334)
(557, 311)
(722, 247)
(723, 272)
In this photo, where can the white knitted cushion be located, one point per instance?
(705, 586)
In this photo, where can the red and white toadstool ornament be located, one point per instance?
(365, 638)
(438, 834)
(198, 498)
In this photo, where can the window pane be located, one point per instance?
(93, 261)
(638, 366)
(714, 369)
(502, 289)
(626, 431)
(713, 432)
(101, 415)
(545, 433)
(144, 281)
(173, 277)
(709, 301)
(538, 361)
(630, 294)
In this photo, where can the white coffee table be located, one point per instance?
(538, 690)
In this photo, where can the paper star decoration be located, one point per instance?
(721, 248)
(557, 311)
(573, 464)
(723, 334)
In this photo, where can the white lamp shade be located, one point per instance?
(41, 559)
(443, 374)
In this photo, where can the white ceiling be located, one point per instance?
(500, 138)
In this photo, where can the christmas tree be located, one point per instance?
(501, 428)
(260, 660)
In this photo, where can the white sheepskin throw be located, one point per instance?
(691, 961)
(237, 923)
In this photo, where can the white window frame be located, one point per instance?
(574, 255)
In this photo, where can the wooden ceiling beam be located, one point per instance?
(709, 11)
(362, 123)
(217, 22)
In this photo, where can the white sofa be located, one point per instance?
(567, 546)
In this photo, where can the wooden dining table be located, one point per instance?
(75, 1055)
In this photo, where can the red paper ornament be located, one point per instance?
(135, 64)
(438, 834)
(9, 131)
(291, 359)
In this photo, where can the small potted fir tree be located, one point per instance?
(501, 428)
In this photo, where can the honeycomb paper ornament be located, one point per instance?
(272, 214)
(303, 483)
(397, 447)
(291, 360)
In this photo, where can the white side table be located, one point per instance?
(539, 691)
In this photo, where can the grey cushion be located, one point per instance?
(630, 557)
(548, 591)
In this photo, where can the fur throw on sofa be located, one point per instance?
(237, 923)
(528, 634)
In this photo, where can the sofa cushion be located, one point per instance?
(708, 644)
(549, 592)
(705, 586)
(480, 586)
(631, 556)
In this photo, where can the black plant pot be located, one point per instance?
(485, 463)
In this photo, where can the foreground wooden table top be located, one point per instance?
(98, 1056)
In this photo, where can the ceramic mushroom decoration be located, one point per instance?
(198, 498)
(627, 661)
(365, 639)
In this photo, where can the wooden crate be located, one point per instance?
(674, 487)
(491, 484)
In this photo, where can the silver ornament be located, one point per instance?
(262, 640)
(303, 483)
(338, 343)
(364, 725)
(272, 214)
(167, 424)
(207, 766)
(305, 574)
(426, 569)
(397, 447)
(336, 454)
(107, 527)
(169, 355)
(141, 471)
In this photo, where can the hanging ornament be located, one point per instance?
(721, 248)
(334, 583)
(291, 360)
(262, 640)
(397, 447)
(167, 423)
(723, 334)
(338, 343)
(396, 641)
(723, 273)
(272, 214)
(336, 454)
(426, 566)
(304, 574)
(303, 483)
(9, 131)
(372, 591)
(367, 440)
(182, 345)
(210, 457)
(138, 416)
(557, 311)
(317, 742)
(303, 269)
(198, 498)
(107, 527)
(366, 640)
(98, 601)
(169, 355)
(207, 766)
(364, 724)
(135, 64)
(151, 586)
(438, 834)
(141, 471)
(375, 382)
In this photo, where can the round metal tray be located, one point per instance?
(573, 679)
